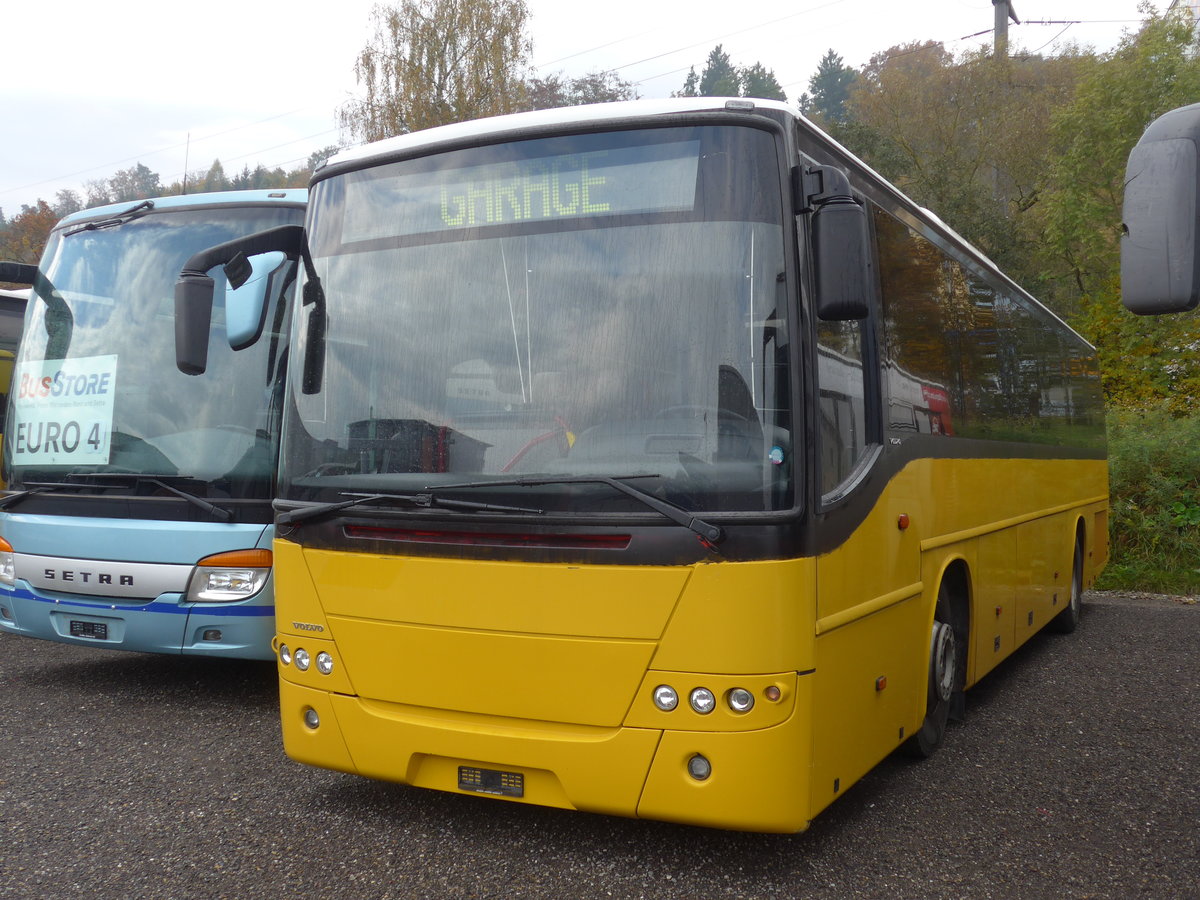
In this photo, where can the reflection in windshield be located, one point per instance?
(116, 287)
(654, 348)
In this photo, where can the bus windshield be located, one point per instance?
(98, 356)
(606, 304)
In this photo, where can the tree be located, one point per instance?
(557, 90)
(966, 137)
(318, 158)
(136, 183)
(433, 62)
(1145, 360)
(66, 202)
(25, 237)
(757, 81)
(830, 88)
(721, 78)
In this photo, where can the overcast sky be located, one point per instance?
(91, 87)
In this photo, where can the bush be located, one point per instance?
(1154, 471)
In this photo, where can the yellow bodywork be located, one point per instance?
(547, 671)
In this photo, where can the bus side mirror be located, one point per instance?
(193, 317)
(194, 290)
(17, 273)
(246, 303)
(841, 249)
(1160, 242)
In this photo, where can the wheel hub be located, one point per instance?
(942, 660)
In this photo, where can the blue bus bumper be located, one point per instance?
(165, 625)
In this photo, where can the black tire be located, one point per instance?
(1068, 620)
(946, 659)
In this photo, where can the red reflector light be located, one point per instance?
(490, 539)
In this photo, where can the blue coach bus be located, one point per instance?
(138, 512)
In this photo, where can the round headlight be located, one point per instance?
(665, 697)
(740, 700)
(311, 719)
(702, 701)
(325, 663)
(285, 654)
(302, 660)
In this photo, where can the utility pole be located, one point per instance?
(1004, 12)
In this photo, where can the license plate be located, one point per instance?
(95, 630)
(491, 781)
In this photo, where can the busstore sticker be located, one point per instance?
(63, 411)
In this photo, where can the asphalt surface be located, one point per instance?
(1075, 775)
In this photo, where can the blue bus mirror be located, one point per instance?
(193, 317)
(246, 305)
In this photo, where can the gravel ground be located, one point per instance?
(1075, 775)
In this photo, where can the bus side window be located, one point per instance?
(841, 378)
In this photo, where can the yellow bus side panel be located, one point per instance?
(869, 694)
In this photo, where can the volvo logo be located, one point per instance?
(307, 626)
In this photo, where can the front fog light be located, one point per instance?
(703, 701)
(324, 663)
(740, 700)
(302, 659)
(311, 719)
(285, 654)
(665, 697)
(699, 767)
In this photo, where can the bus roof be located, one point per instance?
(216, 198)
(567, 115)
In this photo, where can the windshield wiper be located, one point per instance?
(37, 487)
(157, 480)
(13, 499)
(425, 499)
(710, 535)
(112, 221)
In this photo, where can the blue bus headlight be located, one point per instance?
(227, 577)
(8, 570)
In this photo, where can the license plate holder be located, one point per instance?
(96, 631)
(491, 781)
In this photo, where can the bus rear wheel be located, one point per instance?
(1068, 620)
(945, 661)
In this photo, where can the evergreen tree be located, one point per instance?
(720, 77)
(830, 88)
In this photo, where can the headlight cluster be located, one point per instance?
(702, 700)
(303, 660)
(8, 571)
(229, 577)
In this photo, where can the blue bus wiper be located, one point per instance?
(37, 487)
(710, 535)
(12, 500)
(216, 512)
(112, 221)
(425, 499)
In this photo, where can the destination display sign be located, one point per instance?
(647, 178)
(63, 411)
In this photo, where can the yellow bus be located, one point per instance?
(660, 459)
